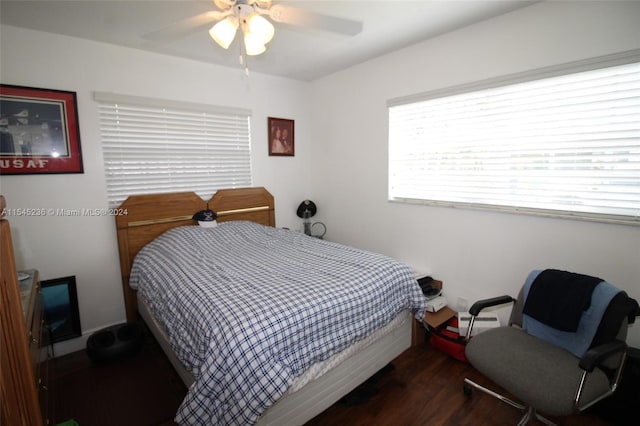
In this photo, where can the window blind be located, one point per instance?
(155, 146)
(566, 145)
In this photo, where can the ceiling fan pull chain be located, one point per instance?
(243, 56)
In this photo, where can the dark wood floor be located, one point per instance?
(423, 387)
(137, 390)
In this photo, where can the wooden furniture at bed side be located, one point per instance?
(146, 217)
(19, 351)
(40, 347)
(434, 319)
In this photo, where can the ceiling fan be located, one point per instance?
(250, 17)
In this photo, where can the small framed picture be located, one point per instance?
(39, 131)
(281, 137)
(60, 301)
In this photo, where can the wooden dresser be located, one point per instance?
(23, 375)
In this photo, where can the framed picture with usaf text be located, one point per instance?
(281, 135)
(39, 131)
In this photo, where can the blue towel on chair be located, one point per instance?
(577, 342)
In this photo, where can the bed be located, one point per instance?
(259, 341)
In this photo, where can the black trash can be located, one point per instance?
(115, 342)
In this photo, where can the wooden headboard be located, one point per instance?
(149, 216)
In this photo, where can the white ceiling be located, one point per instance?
(295, 52)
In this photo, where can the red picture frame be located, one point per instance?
(39, 131)
(281, 137)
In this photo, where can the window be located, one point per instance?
(154, 146)
(562, 141)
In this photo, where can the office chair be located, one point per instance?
(556, 369)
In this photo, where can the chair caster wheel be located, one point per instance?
(466, 389)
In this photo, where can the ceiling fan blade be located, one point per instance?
(305, 18)
(224, 4)
(186, 26)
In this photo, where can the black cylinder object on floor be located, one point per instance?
(114, 342)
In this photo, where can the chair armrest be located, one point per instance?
(594, 356)
(475, 309)
(485, 303)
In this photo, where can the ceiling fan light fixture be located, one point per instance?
(224, 31)
(253, 45)
(261, 27)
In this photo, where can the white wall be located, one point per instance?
(476, 253)
(86, 246)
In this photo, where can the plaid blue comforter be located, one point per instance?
(248, 308)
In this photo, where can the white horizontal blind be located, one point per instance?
(567, 145)
(151, 146)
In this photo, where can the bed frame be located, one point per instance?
(148, 216)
